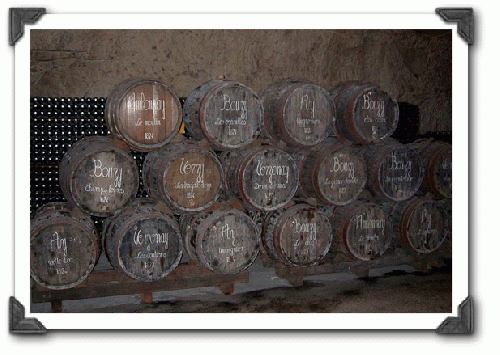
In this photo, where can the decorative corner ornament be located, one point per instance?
(465, 19)
(21, 325)
(463, 324)
(18, 17)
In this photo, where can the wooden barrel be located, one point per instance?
(64, 246)
(300, 235)
(395, 171)
(223, 241)
(332, 173)
(419, 223)
(186, 176)
(361, 230)
(297, 112)
(437, 159)
(142, 242)
(365, 113)
(264, 178)
(446, 205)
(225, 113)
(144, 113)
(98, 176)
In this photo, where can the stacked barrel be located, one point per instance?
(295, 173)
(403, 206)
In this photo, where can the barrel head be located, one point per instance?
(63, 253)
(268, 179)
(299, 235)
(399, 173)
(227, 241)
(104, 182)
(366, 234)
(149, 247)
(145, 113)
(339, 176)
(366, 114)
(298, 113)
(423, 226)
(375, 114)
(230, 115)
(193, 180)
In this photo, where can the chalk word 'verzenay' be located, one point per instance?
(272, 170)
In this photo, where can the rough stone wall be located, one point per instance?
(413, 65)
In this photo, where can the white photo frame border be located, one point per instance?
(23, 322)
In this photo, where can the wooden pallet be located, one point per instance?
(338, 263)
(104, 283)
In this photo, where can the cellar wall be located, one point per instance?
(413, 65)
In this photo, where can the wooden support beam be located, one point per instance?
(56, 306)
(105, 283)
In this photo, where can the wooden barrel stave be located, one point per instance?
(437, 160)
(447, 205)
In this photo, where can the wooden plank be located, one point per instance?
(111, 283)
(362, 268)
(147, 297)
(56, 306)
(227, 289)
